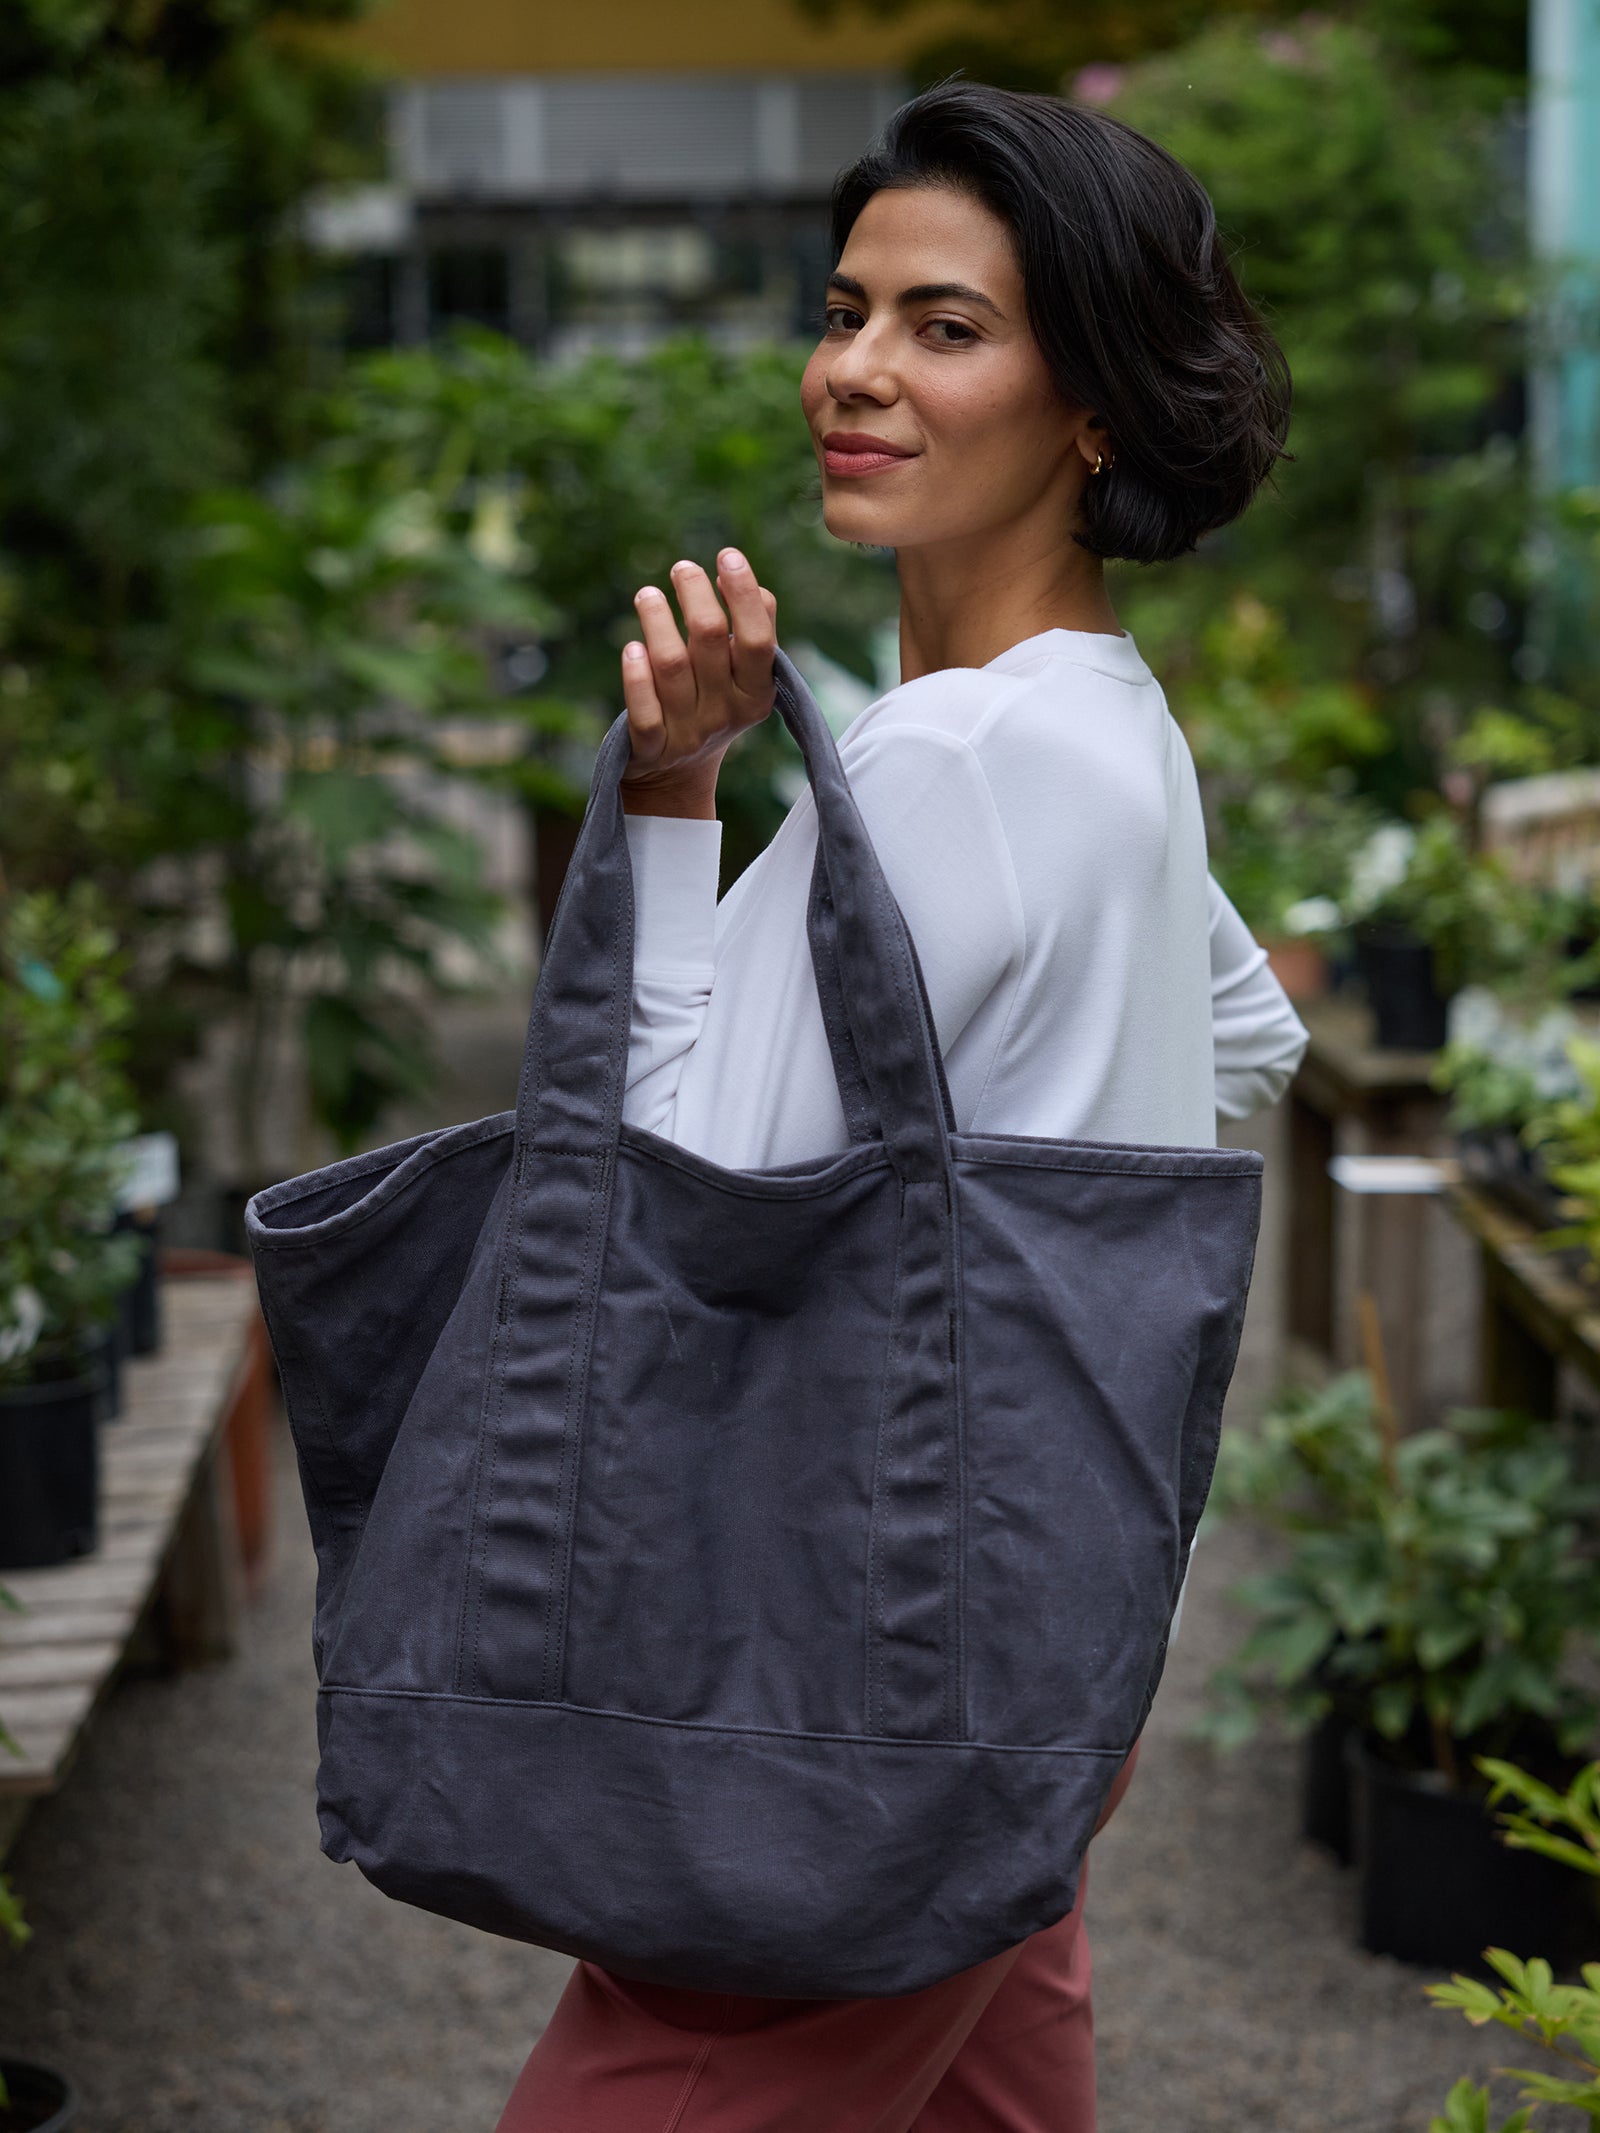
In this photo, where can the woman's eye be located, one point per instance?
(949, 332)
(839, 318)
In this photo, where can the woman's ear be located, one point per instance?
(1095, 446)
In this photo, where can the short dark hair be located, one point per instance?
(1130, 296)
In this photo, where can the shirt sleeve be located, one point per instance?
(1258, 1037)
(676, 861)
(925, 799)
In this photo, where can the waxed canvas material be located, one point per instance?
(748, 1580)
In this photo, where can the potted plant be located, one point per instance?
(64, 1112)
(1562, 2018)
(1308, 1458)
(1504, 1072)
(1427, 916)
(1565, 1138)
(1432, 1598)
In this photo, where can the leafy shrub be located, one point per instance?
(64, 1112)
(1528, 2001)
(1435, 1585)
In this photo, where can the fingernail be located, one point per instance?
(683, 563)
(649, 592)
(731, 559)
(633, 653)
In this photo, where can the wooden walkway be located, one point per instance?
(168, 1551)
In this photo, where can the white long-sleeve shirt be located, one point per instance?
(1039, 823)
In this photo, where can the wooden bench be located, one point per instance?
(168, 1566)
(1348, 1096)
(1536, 1316)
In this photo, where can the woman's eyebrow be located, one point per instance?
(924, 292)
(938, 292)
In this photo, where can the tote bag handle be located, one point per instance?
(869, 982)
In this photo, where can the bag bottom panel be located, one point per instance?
(785, 1865)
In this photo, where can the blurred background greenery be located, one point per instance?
(345, 398)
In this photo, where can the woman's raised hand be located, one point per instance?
(688, 702)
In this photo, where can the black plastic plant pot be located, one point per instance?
(139, 1307)
(49, 1472)
(1325, 1786)
(40, 2101)
(1410, 1011)
(1437, 1886)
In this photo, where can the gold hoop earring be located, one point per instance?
(1100, 464)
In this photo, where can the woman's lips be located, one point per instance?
(852, 456)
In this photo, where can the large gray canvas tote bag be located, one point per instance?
(748, 1580)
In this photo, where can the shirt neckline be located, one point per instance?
(1119, 656)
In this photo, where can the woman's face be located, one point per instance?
(932, 411)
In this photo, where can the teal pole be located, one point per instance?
(1564, 207)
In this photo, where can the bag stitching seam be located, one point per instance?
(958, 1403)
(870, 1156)
(495, 1385)
(875, 1631)
(560, 1553)
(695, 1725)
(376, 1198)
(1113, 1170)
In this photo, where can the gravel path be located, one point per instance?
(199, 1968)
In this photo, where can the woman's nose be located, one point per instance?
(861, 371)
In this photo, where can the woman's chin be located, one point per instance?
(850, 518)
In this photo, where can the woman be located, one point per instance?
(1035, 358)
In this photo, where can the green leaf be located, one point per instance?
(1467, 2111)
(1479, 2002)
(1393, 1706)
(343, 809)
(14, 1926)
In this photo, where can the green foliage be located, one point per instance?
(1567, 1135)
(1462, 903)
(1366, 201)
(331, 624)
(1467, 2110)
(14, 1926)
(1507, 1075)
(1529, 2002)
(113, 286)
(1434, 1586)
(609, 471)
(1273, 748)
(1035, 44)
(1569, 1129)
(261, 111)
(1565, 2019)
(252, 786)
(64, 1112)
(1542, 1810)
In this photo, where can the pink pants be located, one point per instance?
(1005, 2048)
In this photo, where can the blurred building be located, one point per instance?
(601, 172)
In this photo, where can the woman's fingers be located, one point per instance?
(647, 725)
(706, 627)
(669, 657)
(685, 698)
(752, 611)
